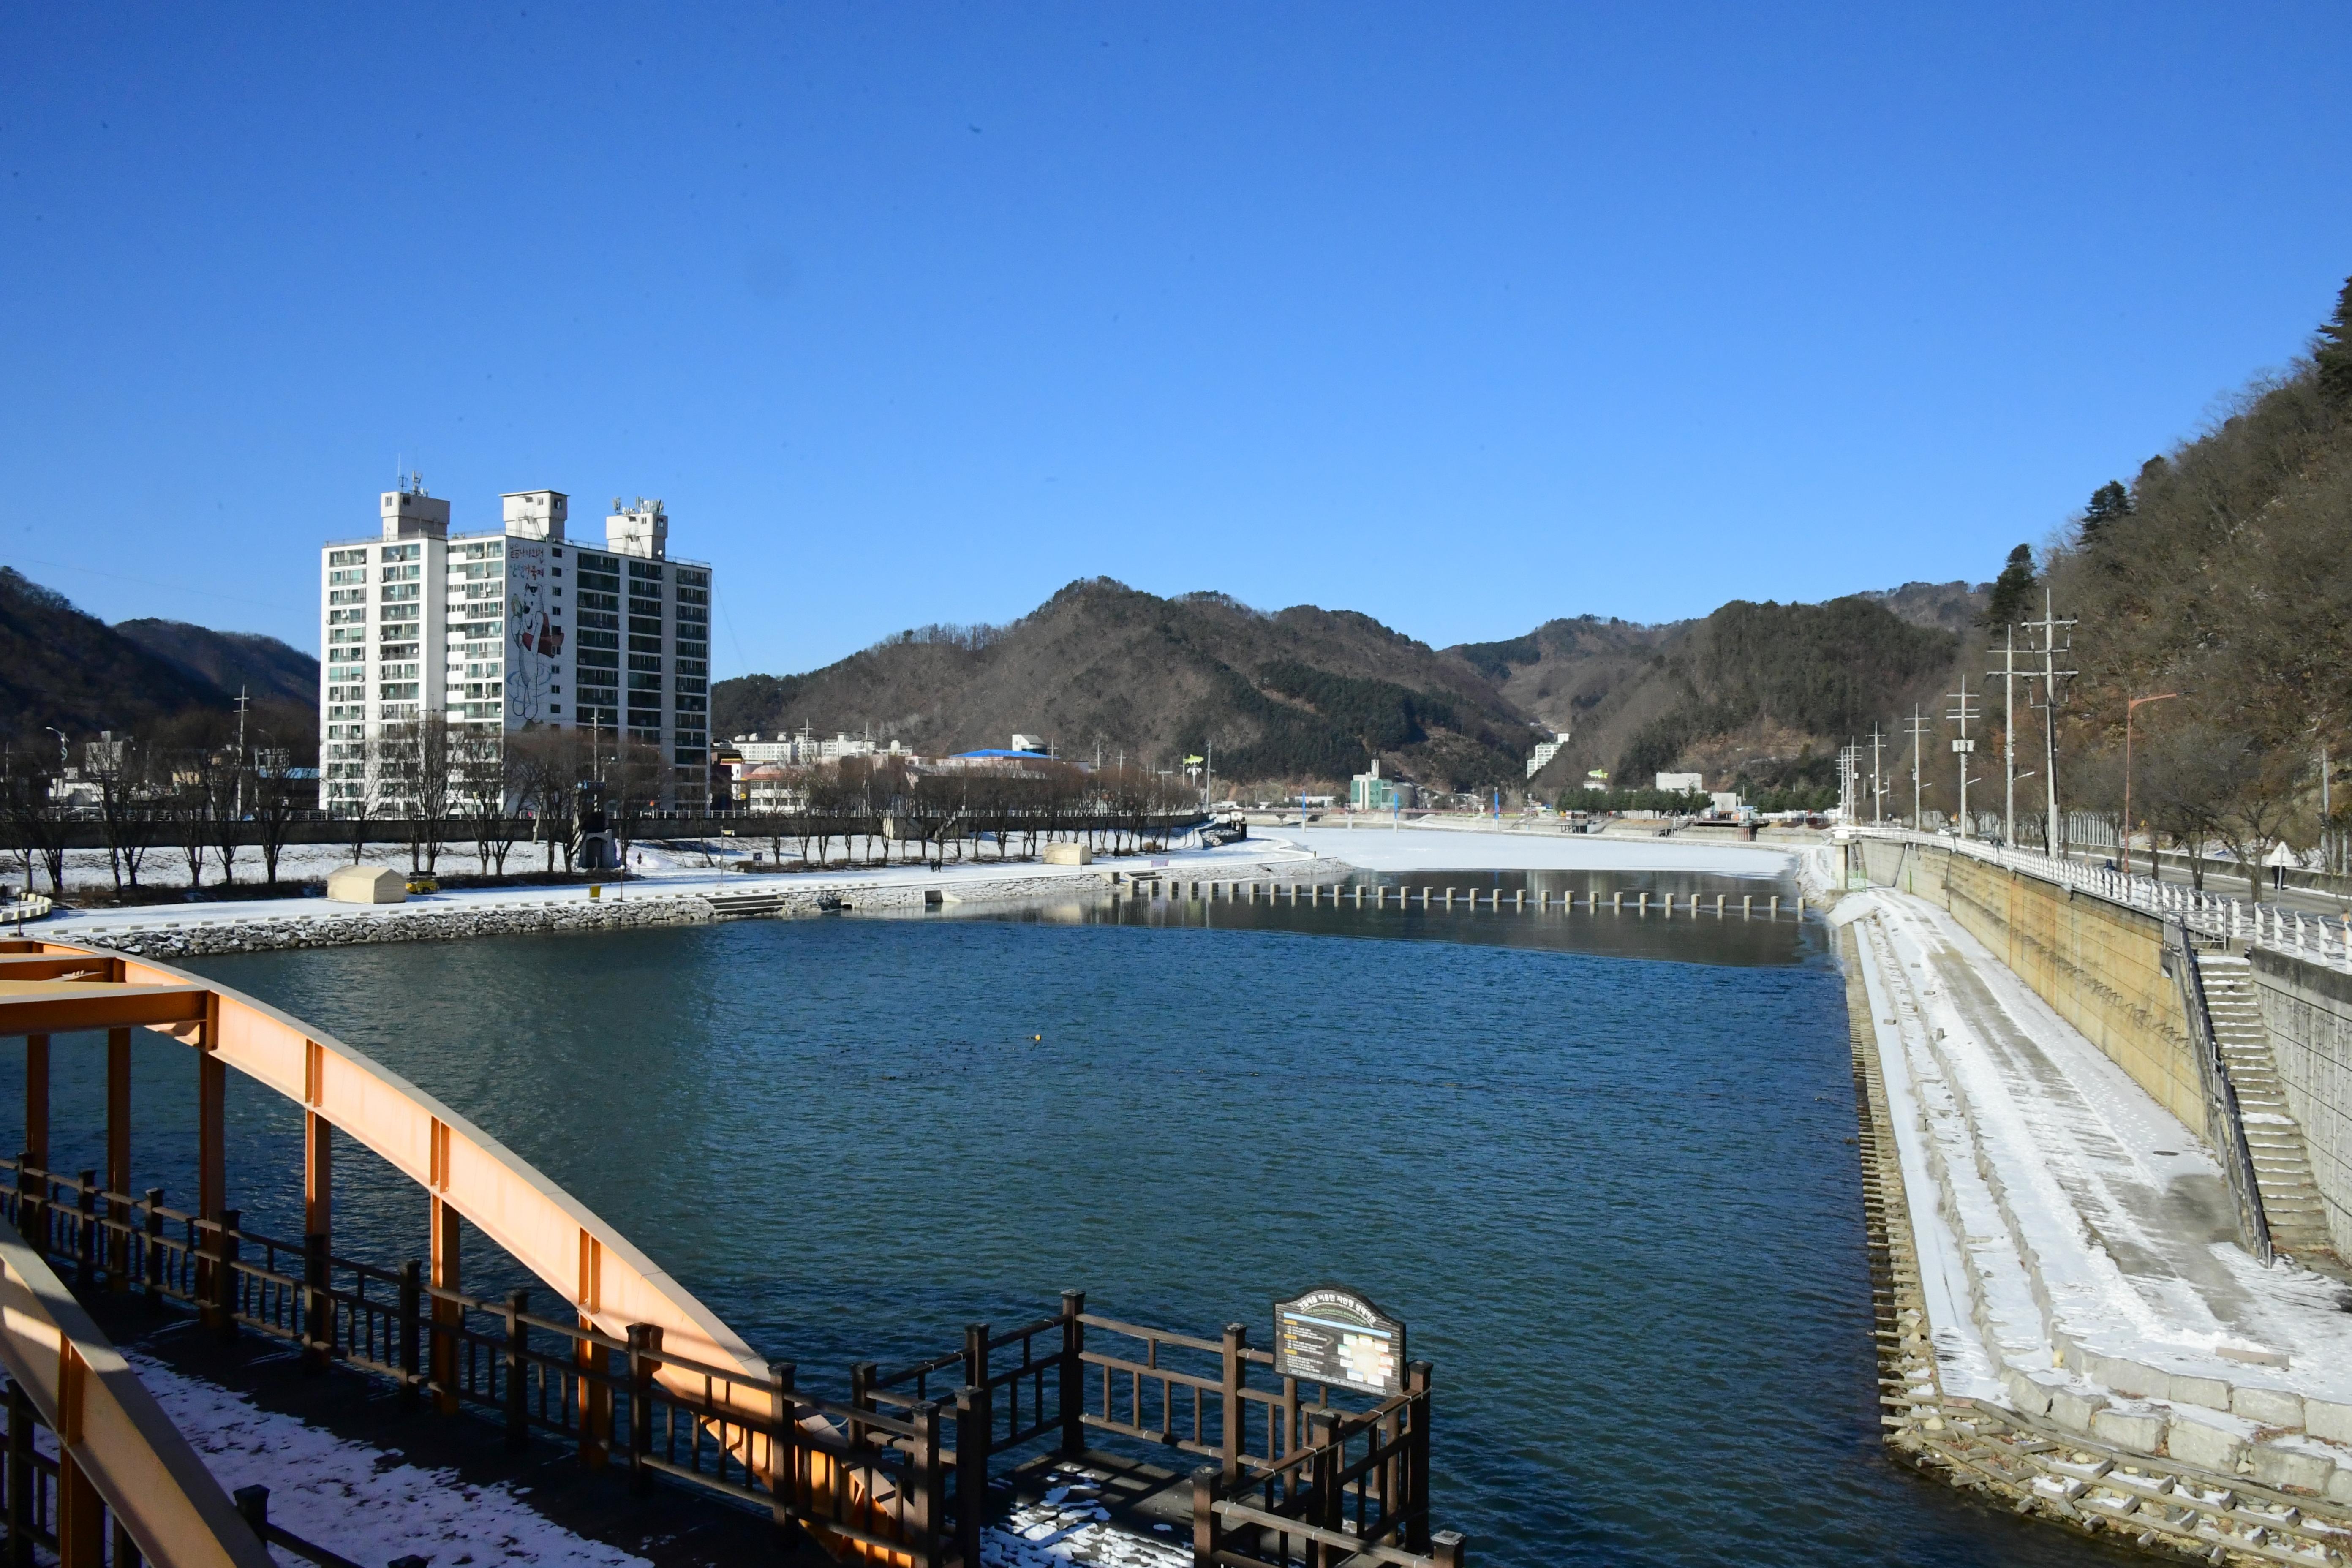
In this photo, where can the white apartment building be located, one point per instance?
(505, 631)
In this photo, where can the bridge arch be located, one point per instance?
(49, 987)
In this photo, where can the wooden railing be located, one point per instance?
(1075, 1371)
(1326, 1503)
(123, 1485)
(872, 1482)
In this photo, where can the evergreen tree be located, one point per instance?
(2110, 504)
(2332, 351)
(2013, 591)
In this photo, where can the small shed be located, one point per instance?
(367, 884)
(1068, 854)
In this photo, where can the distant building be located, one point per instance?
(480, 629)
(1369, 791)
(805, 749)
(1682, 783)
(1544, 753)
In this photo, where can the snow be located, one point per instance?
(2064, 1217)
(1377, 847)
(667, 871)
(1069, 1525)
(358, 1500)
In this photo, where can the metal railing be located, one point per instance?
(2323, 940)
(2225, 1126)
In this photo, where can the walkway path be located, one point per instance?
(2076, 1246)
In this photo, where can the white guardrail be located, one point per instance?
(2314, 938)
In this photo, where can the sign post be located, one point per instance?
(1332, 1335)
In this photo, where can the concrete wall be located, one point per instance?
(2308, 1011)
(2098, 964)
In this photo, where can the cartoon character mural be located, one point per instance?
(534, 662)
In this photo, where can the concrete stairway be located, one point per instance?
(2291, 1203)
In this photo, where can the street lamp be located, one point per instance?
(2131, 708)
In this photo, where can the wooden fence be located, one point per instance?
(898, 1473)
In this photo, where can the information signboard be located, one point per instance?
(1333, 1335)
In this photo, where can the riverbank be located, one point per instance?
(672, 893)
(2065, 1320)
(173, 932)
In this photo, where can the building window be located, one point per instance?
(348, 596)
(399, 552)
(346, 557)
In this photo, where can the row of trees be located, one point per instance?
(926, 812)
(195, 789)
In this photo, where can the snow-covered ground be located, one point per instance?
(665, 870)
(358, 1500)
(1377, 847)
(2075, 1242)
(369, 1505)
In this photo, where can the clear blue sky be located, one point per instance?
(1461, 316)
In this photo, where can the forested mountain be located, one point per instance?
(1756, 694)
(1101, 669)
(2221, 572)
(261, 666)
(60, 667)
(1757, 697)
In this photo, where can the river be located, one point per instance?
(1603, 1166)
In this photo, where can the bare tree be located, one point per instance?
(487, 773)
(126, 804)
(37, 819)
(415, 762)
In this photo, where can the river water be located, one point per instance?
(1603, 1166)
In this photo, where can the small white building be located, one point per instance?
(1545, 752)
(1682, 783)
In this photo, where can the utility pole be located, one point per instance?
(1877, 790)
(242, 705)
(1963, 747)
(2050, 626)
(2008, 674)
(1918, 740)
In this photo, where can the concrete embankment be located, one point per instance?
(2064, 1318)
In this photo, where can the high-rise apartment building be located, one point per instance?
(503, 631)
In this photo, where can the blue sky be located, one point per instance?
(1464, 317)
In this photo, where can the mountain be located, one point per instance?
(262, 666)
(60, 667)
(1759, 696)
(1102, 668)
(1754, 696)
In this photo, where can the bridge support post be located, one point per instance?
(86, 1231)
(447, 1316)
(645, 1355)
(154, 1231)
(37, 1100)
(117, 1160)
(220, 1302)
(21, 1419)
(412, 1311)
(31, 1184)
(1204, 1514)
(318, 1235)
(784, 1493)
(1071, 1376)
(212, 1169)
(518, 1369)
(317, 1307)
